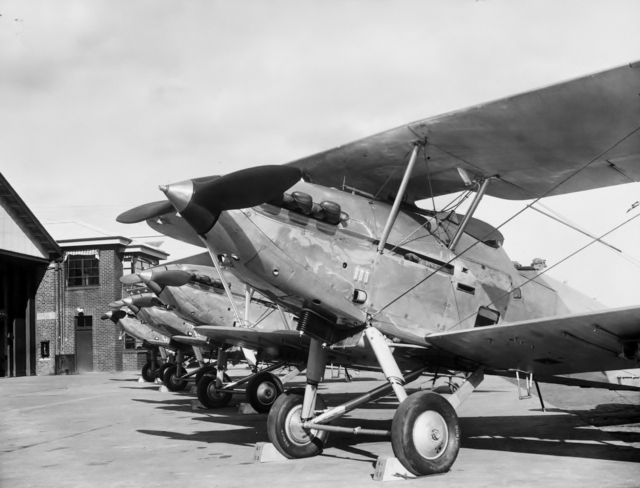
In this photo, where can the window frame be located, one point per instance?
(89, 271)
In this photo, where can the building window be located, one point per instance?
(83, 270)
(84, 321)
(129, 342)
(44, 349)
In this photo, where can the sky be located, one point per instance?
(101, 102)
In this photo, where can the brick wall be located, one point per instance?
(134, 360)
(46, 313)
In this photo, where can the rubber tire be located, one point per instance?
(170, 380)
(286, 404)
(204, 394)
(160, 371)
(402, 433)
(148, 374)
(205, 370)
(263, 390)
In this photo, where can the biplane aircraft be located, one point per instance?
(152, 340)
(337, 238)
(198, 294)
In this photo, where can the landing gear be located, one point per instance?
(162, 369)
(148, 373)
(209, 395)
(285, 430)
(171, 380)
(205, 370)
(425, 434)
(263, 390)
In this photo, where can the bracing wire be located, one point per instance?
(537, 199)
(593, 241)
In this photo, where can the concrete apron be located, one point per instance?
(109, 430)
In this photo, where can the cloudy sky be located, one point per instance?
(100, 102)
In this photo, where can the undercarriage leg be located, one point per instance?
(316, 364)
(222, 367)
(461, 394)
(386, 361)
(179, 359)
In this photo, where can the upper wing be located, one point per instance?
(551, 346)
(532, 141)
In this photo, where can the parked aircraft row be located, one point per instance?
(335, 244)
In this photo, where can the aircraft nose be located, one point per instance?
(179, 194)
(146, 276)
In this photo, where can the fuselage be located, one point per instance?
(416, 286)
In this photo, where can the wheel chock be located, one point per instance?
(141, 380)
(390, 469)
(194, 390)
(163, 389)
(196, 405)
(247, 409)
(265, 452)
(158, 381)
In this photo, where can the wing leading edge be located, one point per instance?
(552, 346)
(532, 141)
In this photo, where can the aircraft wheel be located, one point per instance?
(171, 381)
(148, 374)
(160, 371)
(205, 370)
(211, 397)
(262, 391)
(284, 427)
(425, 434)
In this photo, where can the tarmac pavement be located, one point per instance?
(108, 430)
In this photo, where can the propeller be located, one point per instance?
(117, 304)
(130, 279)
(145, 212)
(142, 301)
(114, 315)
(201, 200)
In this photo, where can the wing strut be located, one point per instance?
(474, 205)
(227, 289)
(396, 203)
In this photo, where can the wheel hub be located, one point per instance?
(266, 393)
(430, 434)
(293, 425)
(213, 392)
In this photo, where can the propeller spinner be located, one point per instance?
(201, 200)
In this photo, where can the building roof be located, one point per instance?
(76, 234)
(17, 213)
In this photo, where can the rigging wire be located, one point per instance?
(593, 241)
(536, 200)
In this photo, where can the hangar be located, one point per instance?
(26, 251)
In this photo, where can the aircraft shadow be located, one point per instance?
(555, 435)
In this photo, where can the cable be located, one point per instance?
(551, 267)
(510, 218)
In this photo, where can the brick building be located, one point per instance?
(76, 291)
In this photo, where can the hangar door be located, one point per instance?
(84, 343)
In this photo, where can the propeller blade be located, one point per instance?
(245, 188)
(171, 277)
(117, 304)
(114, 316)
(130, 279)
(142, 301)
(201, 200)
(145, 212)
